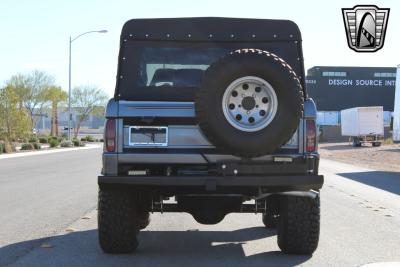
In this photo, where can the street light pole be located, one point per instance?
(69, 91)
(69, 78)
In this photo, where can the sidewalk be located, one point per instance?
(49, 151)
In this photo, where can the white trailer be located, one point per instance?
(363, 125)
(396, 113)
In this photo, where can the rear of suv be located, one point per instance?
(210, 116)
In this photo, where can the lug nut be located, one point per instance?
(245, 86)
(234, 94)
(265, 100)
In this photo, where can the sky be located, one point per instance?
(35, 34)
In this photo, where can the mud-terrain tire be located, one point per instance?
(298, 224)
(270, 220)
(260, 134)
(143, 220)
(117, 221)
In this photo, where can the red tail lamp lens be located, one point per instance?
(110, 135)
(311, 136)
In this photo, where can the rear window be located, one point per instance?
(175, 67)
(172, 71)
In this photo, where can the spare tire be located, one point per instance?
(249, 103)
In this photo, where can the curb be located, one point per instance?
(43, 152)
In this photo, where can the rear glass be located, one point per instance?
(174, 66)
(172, 71)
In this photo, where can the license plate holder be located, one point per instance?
(154, 136)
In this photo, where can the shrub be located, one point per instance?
(57, 138)
(37, 146)
(43, 140)
(83, 139)
(9, 147)
(89, 138)
(2, 148)
(33, 139)
(27, 146)
(66, 143)
(53, 142)
(77, 143)
(101, 140)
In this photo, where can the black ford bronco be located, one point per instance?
(210, 113)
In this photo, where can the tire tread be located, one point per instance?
(299, 225)
(117, 223)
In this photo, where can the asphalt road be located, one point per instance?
(43, 196)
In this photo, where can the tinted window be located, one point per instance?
(175, 67)
(172, 71)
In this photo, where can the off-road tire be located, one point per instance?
(241, 63)
(298, 224)
(117, 221)
(270, 220)
(143, 220)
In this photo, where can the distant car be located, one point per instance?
(34, 131)
(211, 112)
(66, 129)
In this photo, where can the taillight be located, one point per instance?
(311, 136)
(109, 135)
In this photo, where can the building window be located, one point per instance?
(334, 73)
(385, 74)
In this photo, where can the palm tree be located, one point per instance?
(55, 95)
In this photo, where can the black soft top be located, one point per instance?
(210, 29)
(281, 37)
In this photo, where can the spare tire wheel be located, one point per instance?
(249, 103)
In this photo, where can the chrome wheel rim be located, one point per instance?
(249, 103)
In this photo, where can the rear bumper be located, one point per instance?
(211, 183)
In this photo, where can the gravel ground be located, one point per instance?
(383, 158)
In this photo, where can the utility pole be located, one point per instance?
(69, 78)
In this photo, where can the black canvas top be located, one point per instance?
(210, 29)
